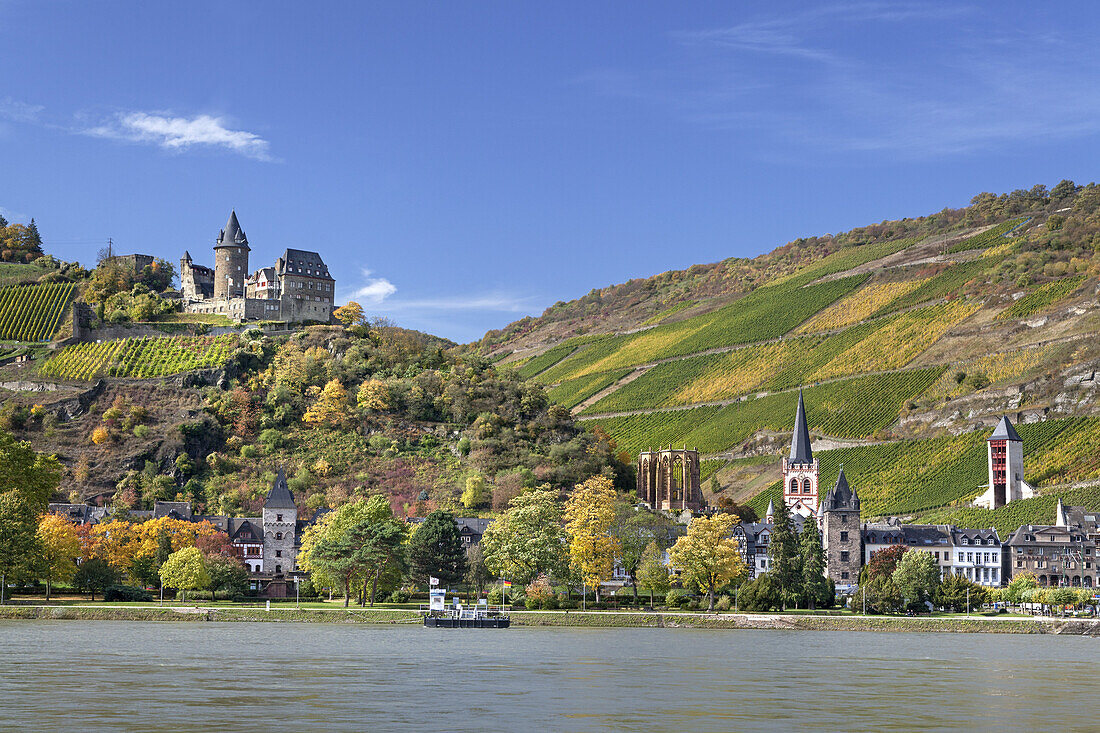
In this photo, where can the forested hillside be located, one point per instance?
(910, 338)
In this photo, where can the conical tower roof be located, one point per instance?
(841, 497)
(770, 512)
(232, 235)
(800, 441)
(279, 497)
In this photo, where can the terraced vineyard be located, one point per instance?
(946, 284)
(851, 408)
(859, 306)
(989, 237)
(33, 312)
(140, 358)
(1042, 298)
(576, 391)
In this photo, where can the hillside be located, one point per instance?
(910, 338)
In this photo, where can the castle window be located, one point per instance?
(806, 486)
(844, 556)
(794, 486)
(278, 553)
(278, 535)
(278, 568)
(278, 517)
(843, 536)
(843, 518)
(844, 575)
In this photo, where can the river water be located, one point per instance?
(134, 676)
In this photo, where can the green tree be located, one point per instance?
(707, 556)
(652, 573)
(436, 550)
(477, 573)
(477, 494)
(1021, 582)
(94, 574)
(634, 529)
(226, 574)
(954, 591)
(185, 570)
(917, 578)
(527, 539)
(27, 479)
(18, 538)
(784, 553)
(817, 590)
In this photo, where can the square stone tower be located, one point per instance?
(840, 534)
(1006, 464)
(280, 520)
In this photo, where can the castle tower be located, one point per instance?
(1006, 465)
(280, 519)
(840, 534)
(231, 260)
(800, 468)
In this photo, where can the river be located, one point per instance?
(142, 676)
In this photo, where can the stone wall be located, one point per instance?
(841, 534)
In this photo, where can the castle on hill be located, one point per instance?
(298, 288)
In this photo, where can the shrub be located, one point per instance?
(250, 451)
(677, 597)
(723, 604)
(540, 594)
(126, 593)
(399, 596)
(141, 431)
(100, 435)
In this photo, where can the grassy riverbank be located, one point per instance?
(592, 619)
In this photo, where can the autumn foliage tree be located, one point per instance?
(349, 314)
(331, 407)
(589, 516)
(707, 556)
(59, 547)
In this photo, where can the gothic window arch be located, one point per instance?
(806, 486)
(794, 486)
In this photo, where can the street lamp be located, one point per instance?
(296, 581)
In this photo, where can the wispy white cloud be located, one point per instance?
(181, 133)
(16, 111)
(374, 290)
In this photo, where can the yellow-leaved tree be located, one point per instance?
(589, 514)
(331, 407)
(707, 556)
(349, 314)
(373, 395)
(59, 545)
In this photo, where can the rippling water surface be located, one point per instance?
(132, 676)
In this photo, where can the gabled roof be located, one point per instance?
(800, 441)
(279, 497)
(310, 264)
(841, 497)
(1005, 431)
(186, 256)
(232, 235)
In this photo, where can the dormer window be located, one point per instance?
(278, 517)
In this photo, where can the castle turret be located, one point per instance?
(280, 518)
(800, 469)
(231, 260)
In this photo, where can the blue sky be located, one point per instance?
(460, 165)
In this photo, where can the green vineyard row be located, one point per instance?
(140, 358)
(33, 312)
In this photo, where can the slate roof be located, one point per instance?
(232, 235)
(1005, 431)
(800, 441)
(841, 498)
(173, 509)
(279, 497)
(310, 264)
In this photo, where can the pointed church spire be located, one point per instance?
(800, 441)
(770, 514)
(1005, 431)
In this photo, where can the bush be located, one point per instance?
(141, 431)
(677, 597)
(724, 603)
(126, 593)
(100, 435)
(399, 596)
(250, 451)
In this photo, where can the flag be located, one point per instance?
(507, 584)
(433, 581)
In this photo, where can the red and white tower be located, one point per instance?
(800, 469)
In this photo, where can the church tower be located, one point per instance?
(800, 468)
(231, 260)
(280, 520)
(840, 534)
(1006, 464)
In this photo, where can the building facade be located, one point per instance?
(1059, 554)
(1005, 464)
(840, 535)
(298, 288)
(974, 554)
